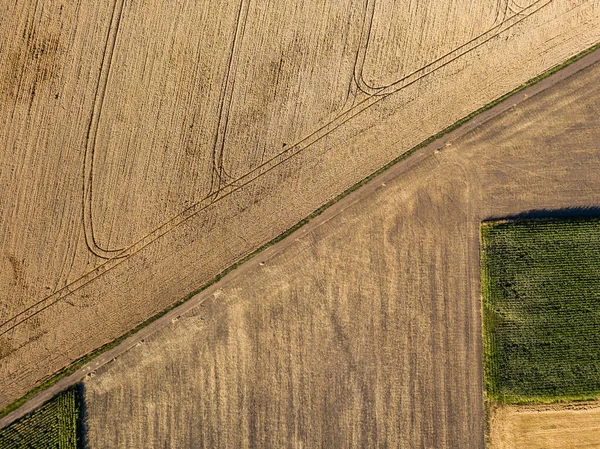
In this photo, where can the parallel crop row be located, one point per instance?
(541, 309)
(52, 426)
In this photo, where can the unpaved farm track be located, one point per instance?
(365, 329)
(137, 162)
(349, 208)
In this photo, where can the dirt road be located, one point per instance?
(397, 170)
(124, 193)
(366, 330)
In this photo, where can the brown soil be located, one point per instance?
(113, 205)
(364, 331)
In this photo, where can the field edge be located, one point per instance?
(69, 400)
(494, 401)
(53, 379)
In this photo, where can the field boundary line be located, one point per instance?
(99, 357)
(115, 257)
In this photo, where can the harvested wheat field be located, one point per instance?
(147, 146)
(550, 427)
(364, 330)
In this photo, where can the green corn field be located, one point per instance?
(52, 426)
(541, 310)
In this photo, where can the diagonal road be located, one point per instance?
(366, 190)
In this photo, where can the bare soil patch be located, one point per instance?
(366, 330)
(114, 206)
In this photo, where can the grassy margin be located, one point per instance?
(488, 350)
(85, 359)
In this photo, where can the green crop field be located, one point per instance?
(53, 425)
(541, 310)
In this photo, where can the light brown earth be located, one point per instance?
(397, 170)
(138, 159)
(553, 427)
(366, 330)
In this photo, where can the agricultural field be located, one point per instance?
(541, 309)
(364, 328)
(52, 426)
(146, 147)
(575, 426)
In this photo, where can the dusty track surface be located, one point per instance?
(362, 194)
(362, 330)
(131, 176)
(552, 427)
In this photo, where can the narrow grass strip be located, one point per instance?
(87, 358)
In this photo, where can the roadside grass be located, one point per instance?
(53, 425)
(541, 310)
(87, 358)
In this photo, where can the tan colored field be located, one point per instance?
(147, 147)
(557, 427)
(365, 330)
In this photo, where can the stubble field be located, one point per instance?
(138, 159)
(366, 330)
(574, 426)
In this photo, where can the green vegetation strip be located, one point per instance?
(53, 425)
(541, 310)
(85, 359)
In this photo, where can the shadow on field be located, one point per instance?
(82, 442)
(548, 214)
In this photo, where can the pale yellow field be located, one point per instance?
(558, 427)
(148, 145)
(365, 330)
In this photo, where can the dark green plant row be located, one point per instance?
(541, 310)
(51, 426)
